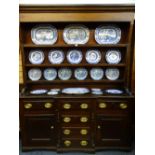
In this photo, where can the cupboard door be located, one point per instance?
(113, 131)
(39, 131)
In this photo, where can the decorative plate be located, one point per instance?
(76, 34)
(112, 73)
(36, 56)
(114, 91)
(38, 91)
(107, 34)
(93, 56)
(96, 73)
(75, 91)
(74, 56)
(44, 34)
(113, 56)
(80, 73)
(50, 74)
(56, 56)
(34, 74)
(64, 73)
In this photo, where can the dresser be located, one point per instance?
(86, 121)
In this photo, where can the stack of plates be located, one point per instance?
(38, 91)
(54, 91)
(96, 91)
(76, 91)
(114, 91)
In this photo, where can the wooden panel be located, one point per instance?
(20, 69)
(76, 17)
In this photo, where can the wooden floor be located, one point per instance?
(77, 153)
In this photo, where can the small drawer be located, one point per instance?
(82, 119)
(29, 106)
(75, 105)
(76, 132)
(74, 143)
(112, 107)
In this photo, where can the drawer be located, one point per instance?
(114, 107)
(74, 143)
(34, 106)
(75, 104)
(75, 132)
(71, 119)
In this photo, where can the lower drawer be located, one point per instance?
(74, 143)
(76, 132)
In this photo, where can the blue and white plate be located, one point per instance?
(50, 74)
(36, 56)
(107, 34)
(74, 56)
(44, 35)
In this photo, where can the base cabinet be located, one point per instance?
(76, 124)
(39, 131)
(113, 131)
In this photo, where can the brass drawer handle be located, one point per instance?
(48, 105)
(67, 143)
(66, 132)
(83, 131)
(67, 119)
(27, 105)
(67, 106)
(84, 106)
(52, 127)
(83, 143)
(123, 105)
(99, 127)
(102, 105)
(84, 119)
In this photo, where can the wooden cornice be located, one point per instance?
(75, 8)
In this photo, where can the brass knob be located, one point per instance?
(27, 105)
(52, 127)
(48, 105)
(67, 143)
(67, 106)
(102, 105)
(67, 119)
(66, 132)
(84, 106)
(99, 127)
(123, 105)
(83, 119)
(83, 132)
(83, 143)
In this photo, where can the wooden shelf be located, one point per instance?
(76, 65)
(71, 46)
(75, 81)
